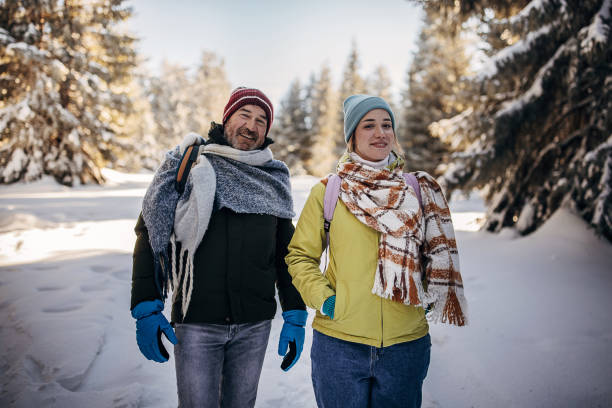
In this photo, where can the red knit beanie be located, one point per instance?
(248, 96)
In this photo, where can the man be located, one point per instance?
(220, 246)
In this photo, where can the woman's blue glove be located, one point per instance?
(150, 323)
(292, 335)
(329, 306)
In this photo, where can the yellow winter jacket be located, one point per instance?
(359, 316)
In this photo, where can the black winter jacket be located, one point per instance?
(236, 266)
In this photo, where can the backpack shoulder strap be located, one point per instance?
(332, 191)
(412, 181)
(189, 157)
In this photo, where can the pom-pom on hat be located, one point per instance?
(248, 96)
(355, 108)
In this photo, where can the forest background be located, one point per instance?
(512, 98)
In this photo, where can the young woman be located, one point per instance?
(392, 261)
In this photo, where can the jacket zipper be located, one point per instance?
(381, 324)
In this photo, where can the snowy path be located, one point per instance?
(540, 332)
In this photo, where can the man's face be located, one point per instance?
(246, 128)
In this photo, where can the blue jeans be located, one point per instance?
(346, 374)
(219, 365)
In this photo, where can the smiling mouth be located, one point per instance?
(249, 137)
(379, 145)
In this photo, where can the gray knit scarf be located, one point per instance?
(223, 177)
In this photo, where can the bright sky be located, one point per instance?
(266, 44)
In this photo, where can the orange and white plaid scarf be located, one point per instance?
(381, 199)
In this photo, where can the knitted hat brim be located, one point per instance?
(355, 113)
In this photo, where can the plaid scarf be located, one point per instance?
(381, 199)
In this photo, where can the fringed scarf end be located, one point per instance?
(449, 308)
(187, 282)
(453, 313)
(413, 292)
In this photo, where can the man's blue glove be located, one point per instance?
(292, 335)
(150, 323)
(329, 306)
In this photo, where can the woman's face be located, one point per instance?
(374, 135)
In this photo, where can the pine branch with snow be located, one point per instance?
(63, 67)
(536, 134)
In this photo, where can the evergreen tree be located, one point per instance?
(173, 104)
(183, 103)
(539, 122)
(290, 131)
(434, 91)
(325, 130)
(379, 84)
(64, 67)
(352, 83)
(141, 147)
(210, 91)
(161, 92)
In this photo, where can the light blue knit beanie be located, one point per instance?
(355, 108)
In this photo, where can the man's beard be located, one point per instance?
(243, 131)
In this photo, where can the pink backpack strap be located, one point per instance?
(412, 181)
(332, 191)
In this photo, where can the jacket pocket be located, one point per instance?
(342, 301)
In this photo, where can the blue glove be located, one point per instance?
(292, 336)
(329, 306)
(150, 323)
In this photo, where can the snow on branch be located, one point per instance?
(447, 129)
(18, 111)
(592, 155)
(491, 68)
(98, 69)
(537, 7)
(13, 168)
(29, 52)
(5, 37)
(535, 90)
(605, 182)
(599, 30)
(58, 70)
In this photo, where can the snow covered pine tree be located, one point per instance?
(434, 90)
(290, 132)
(61, 69)
(352, 83)
(322, 104)
(539, 127)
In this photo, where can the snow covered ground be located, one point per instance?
(540, 332)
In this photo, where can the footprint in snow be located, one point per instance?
(44, 267)
(62, 308)
(33, 369)
(123, 274)
(49, 288)
(100, 268)
(94, 287)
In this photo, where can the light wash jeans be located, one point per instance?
(354, 375)
(219, 365)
